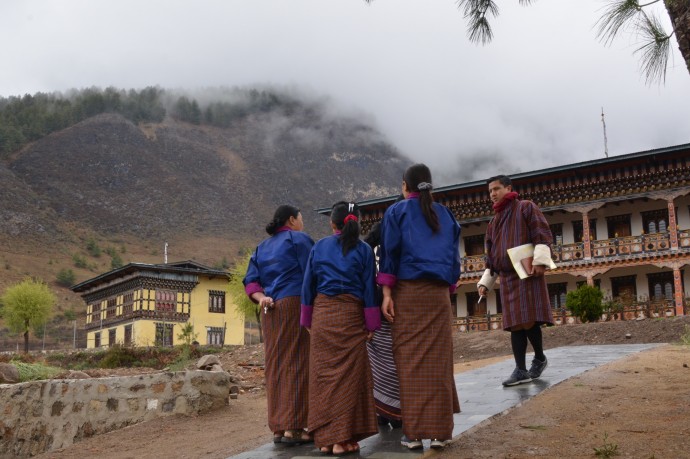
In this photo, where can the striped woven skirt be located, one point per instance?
(341, 399)
(423, 351)
(286, 346)
(386, 385)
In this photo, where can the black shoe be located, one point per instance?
(537, 368)
(518, 377)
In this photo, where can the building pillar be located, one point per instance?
(672, 225)
(590, 280)
(678, 289)
(585, 237)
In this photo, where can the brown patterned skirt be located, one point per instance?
(524, 300)
(286, 346)
(423, 351)
(341, 388)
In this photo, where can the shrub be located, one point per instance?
(79, 261)
(65, 277)
(585, 303)
(116, 261)
(93, 248)
(118, 356)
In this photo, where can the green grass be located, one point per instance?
(685, 337)
(533, 427)
(35, 371)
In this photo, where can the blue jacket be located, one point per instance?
(277, 265)
(410, 250)
(331, 273)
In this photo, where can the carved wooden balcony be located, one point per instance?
(601, 250)
(93, 321)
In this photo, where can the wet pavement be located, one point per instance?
(482, 396)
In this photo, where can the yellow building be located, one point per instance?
(148, 305)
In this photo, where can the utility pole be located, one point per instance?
(606, 147)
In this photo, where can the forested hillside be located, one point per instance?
(93, 179)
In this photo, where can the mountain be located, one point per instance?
(208, 190)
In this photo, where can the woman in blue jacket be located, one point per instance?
(274, 281)
(419, 266)
(339, 307)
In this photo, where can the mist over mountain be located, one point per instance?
(206, 174)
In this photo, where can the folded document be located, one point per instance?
(522, 257)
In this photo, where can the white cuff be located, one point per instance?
(542, 255)
(487, 280)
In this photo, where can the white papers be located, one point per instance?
(525, 251)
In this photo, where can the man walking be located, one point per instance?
(525, 302)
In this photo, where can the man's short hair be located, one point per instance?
(504, 179)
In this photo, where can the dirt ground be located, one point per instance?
(636, 407)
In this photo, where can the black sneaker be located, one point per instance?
(518, 377)
(537, 368)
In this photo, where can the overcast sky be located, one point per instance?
(529, 100)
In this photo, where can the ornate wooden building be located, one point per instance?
(147, 304)
(620, 223)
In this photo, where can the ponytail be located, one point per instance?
(281, 215)
(418, 179)
(345, 217)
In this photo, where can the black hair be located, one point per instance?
(414, 175)
(373, 237)
(280, 216)
(503, 179)
(349, 235)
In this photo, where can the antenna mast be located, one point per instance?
(165, 253)
(606, 146)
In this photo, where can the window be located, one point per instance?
(474, 306)
(661, 286)
(624, 288)
(216, 301)
(578, 231)
(214, 335)
(655, 221)
(618, 226)
(557, 294)
(164, 334)
(97, 339)
(474, 245)
(111, 308)
(127, 302)
(111, 337)
(557, 233)
(166, 300)
(128, 335)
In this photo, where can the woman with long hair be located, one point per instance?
(339, 307)
(419, 266)
(274, 281)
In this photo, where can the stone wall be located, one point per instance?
(44, 415)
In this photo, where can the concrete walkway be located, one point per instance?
(481, 397)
